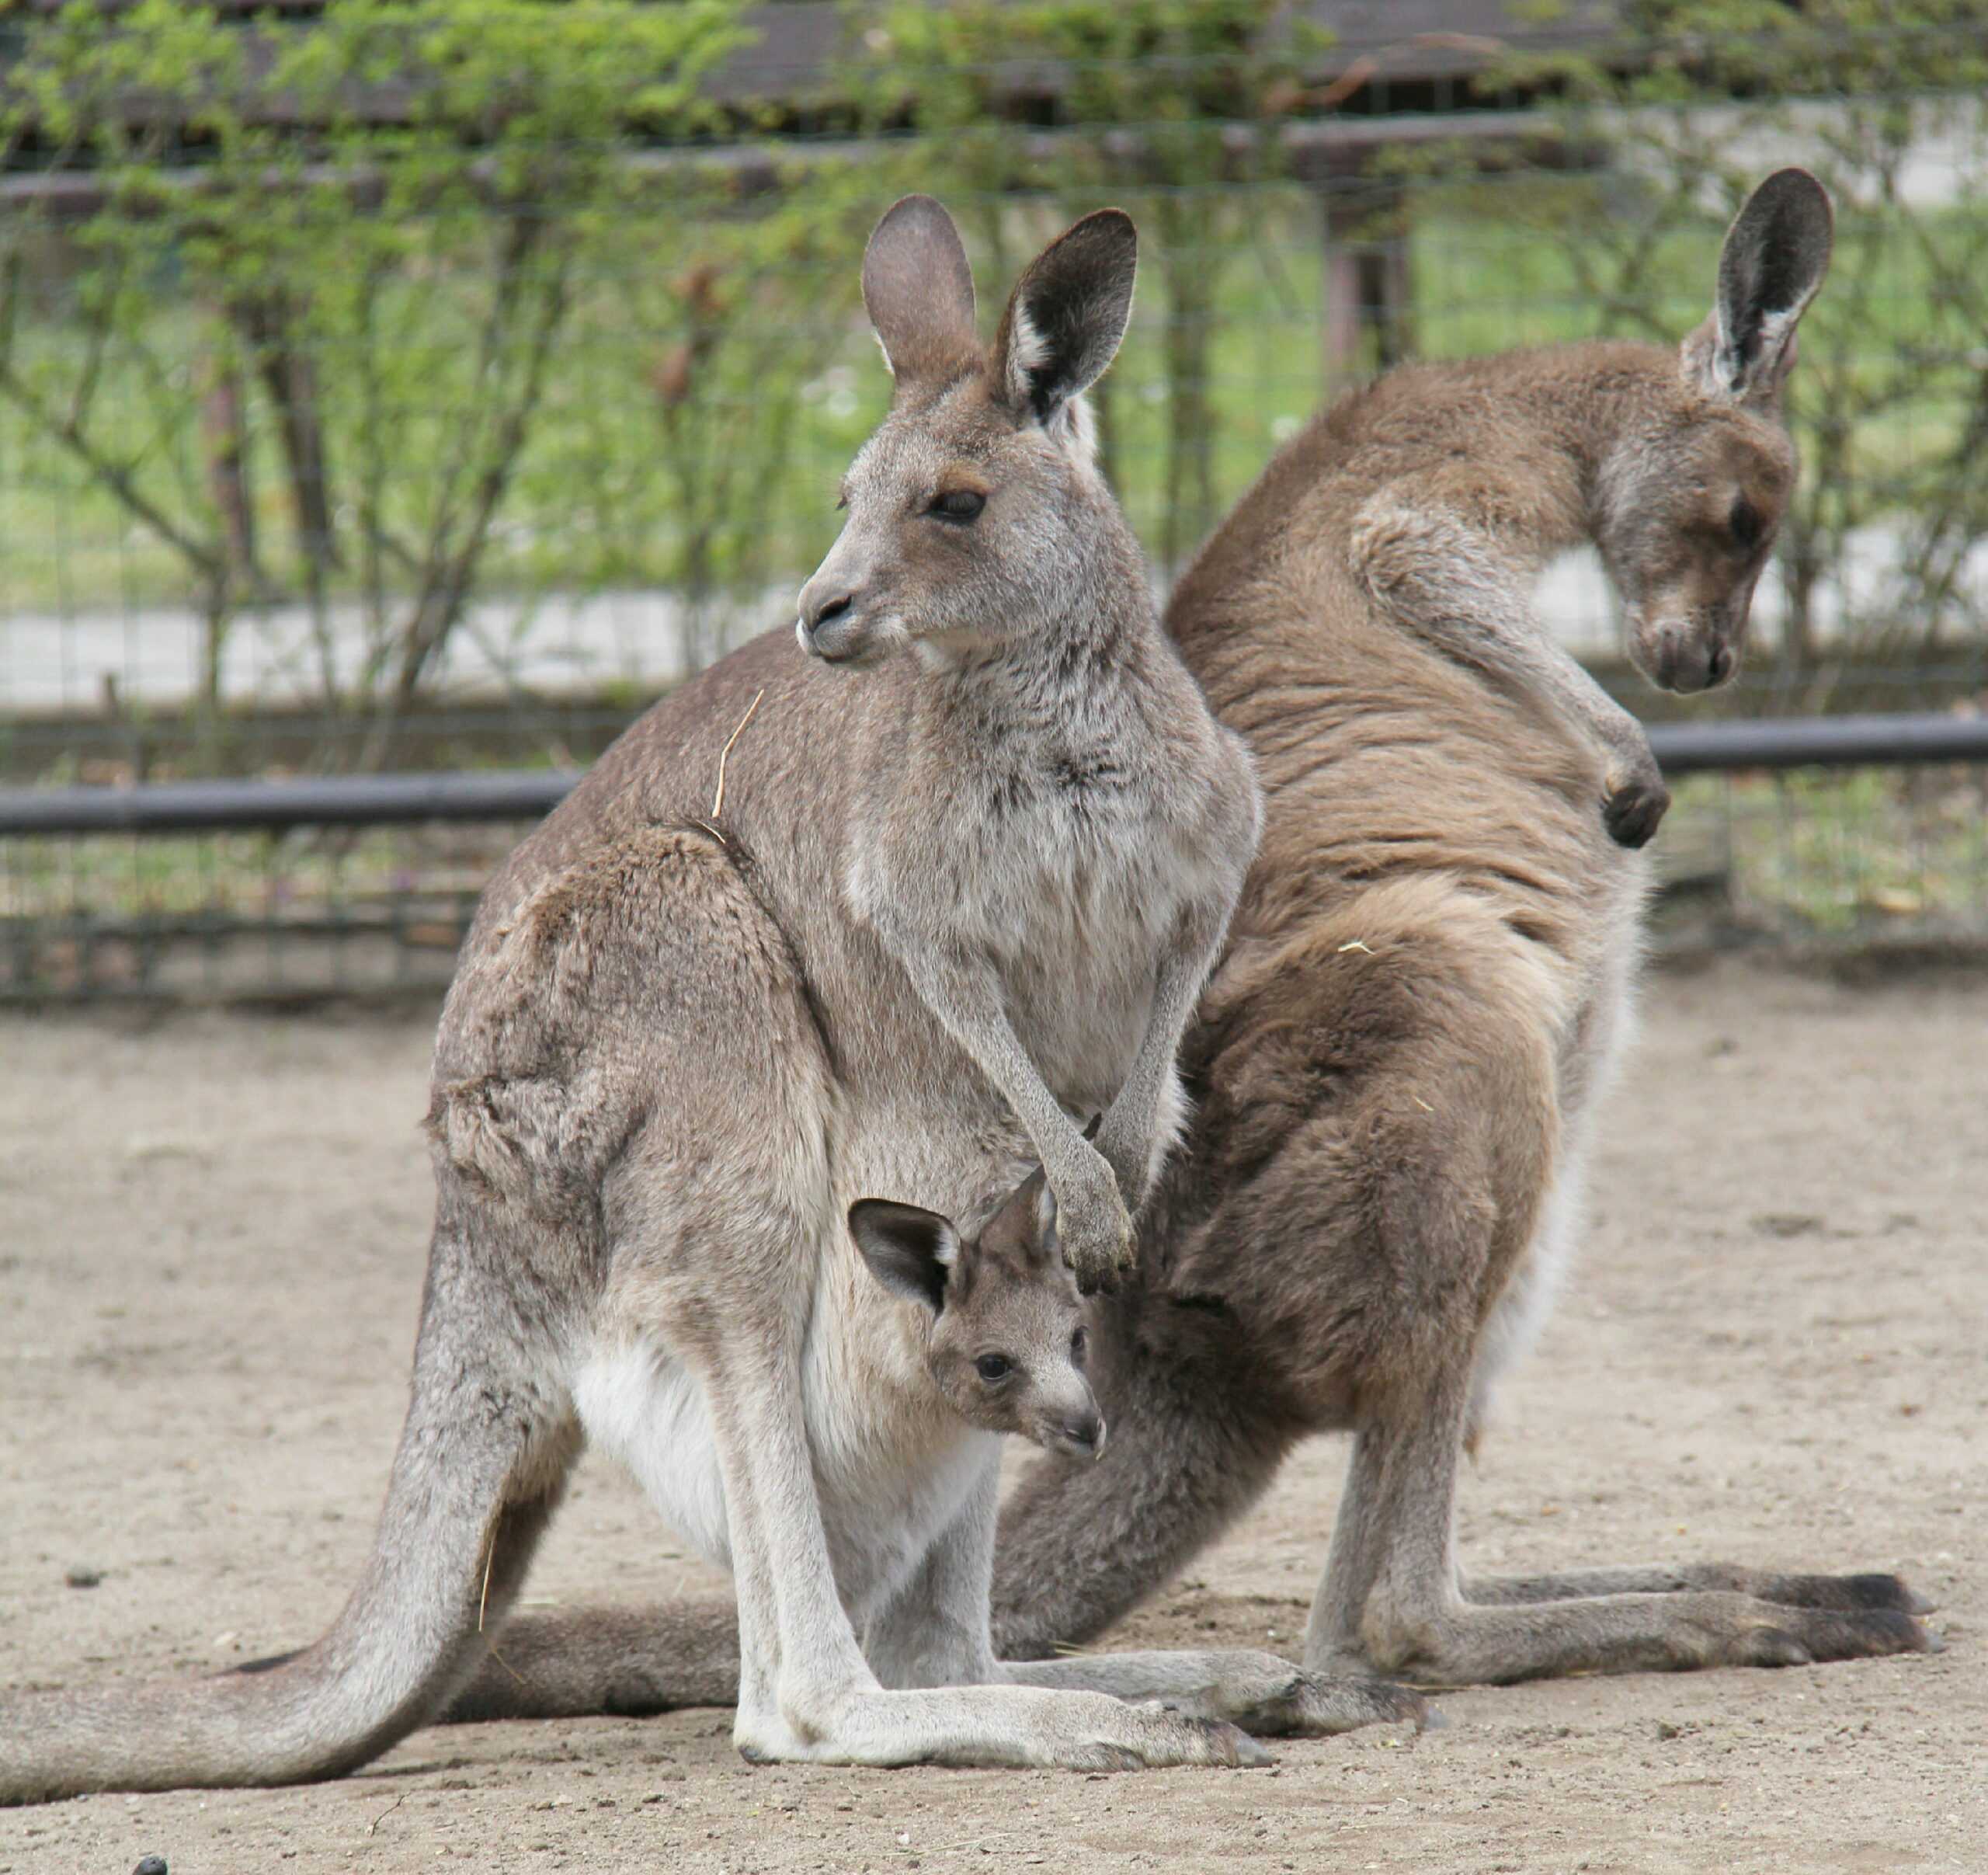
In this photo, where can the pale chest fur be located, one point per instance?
(1069, 870)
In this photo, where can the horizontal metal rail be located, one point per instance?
(183, 807)
(1819, 741)
(371, 800)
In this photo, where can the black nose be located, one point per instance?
(1722, 663)
(1086, 1431)
(819, 615)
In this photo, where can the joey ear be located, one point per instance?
(1067, 315)
(911, 1251)
(1048, 1245)
(918, 290)
(1775, 255)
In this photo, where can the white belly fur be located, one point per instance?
(894, 1466)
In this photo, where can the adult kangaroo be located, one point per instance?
(1397, 1063)
(889, 920)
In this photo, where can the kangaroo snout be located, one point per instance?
(831, 626)
(1081, 1434)
(1686, 659)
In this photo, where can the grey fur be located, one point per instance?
(1398, 1062)
(807, 933)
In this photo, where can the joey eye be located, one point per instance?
(993, 1367)
(960, 505)
(1744, 523)
(1079, 1340)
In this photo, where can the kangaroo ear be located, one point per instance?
(1068, 312)
(919, 292)
(910, 1251)
(1775, 255)
(1048, 1245)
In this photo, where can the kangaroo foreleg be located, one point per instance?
(1445, 581)
(965, 993)
(1141, 1125)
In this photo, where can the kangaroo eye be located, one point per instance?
(1745, 523)
(960, 505)
(994, 1367)
(1079, 1342)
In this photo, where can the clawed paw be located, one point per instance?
(1097, 1245)
(1633, 810)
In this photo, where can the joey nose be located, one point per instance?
(1723, 664)
(1084, 1432)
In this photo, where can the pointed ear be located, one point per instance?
(919, 292)
(1775, 255)
(1068, 312)
(1048, 1242)
(910, 1251)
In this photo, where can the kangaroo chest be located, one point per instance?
(1068, 879)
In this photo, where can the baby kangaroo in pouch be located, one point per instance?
(898, 916)
(1007, 1342)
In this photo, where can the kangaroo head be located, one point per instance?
(1006, 1340)
(976, 515)
(1692, 496)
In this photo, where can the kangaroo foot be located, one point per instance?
(1312, 1705)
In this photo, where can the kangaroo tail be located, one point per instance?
(482, 1465)
(630, 1662)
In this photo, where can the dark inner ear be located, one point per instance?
(1069, 313)
(918, 290)
(1773, 262)
(910, 1250)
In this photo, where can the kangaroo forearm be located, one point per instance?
(1139, 1129)
(1441, 579)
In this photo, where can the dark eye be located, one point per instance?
(994, 1366)
(1079, 1342)
(961, 505)
(1745, 523)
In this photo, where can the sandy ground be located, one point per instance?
(210, 1250)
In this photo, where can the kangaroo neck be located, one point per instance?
(1065, 683)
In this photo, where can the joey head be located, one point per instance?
(1007, 1341)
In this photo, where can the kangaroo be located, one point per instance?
(880, 918)
(1450, 541)
(1397, 1063)
(1007, 1342)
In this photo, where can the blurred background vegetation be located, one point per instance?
(400, 383)
(371, 370)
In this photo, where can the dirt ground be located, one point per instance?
(210, 1251)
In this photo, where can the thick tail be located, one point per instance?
(1082, 1542)
(630, 1662)
(482, 1465)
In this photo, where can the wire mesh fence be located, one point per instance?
(384, 386)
